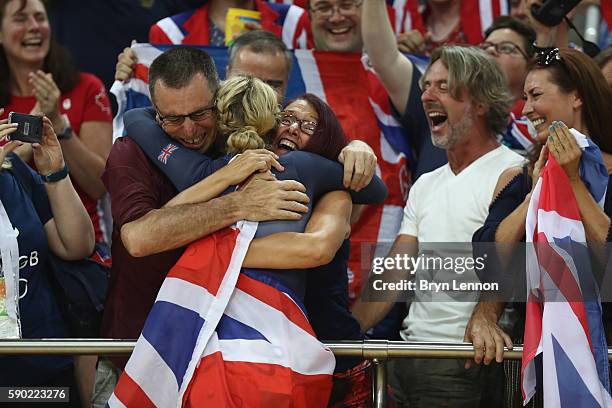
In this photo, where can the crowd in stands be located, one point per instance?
(464, 102)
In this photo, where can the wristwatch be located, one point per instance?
(57, 176)
(67, 132)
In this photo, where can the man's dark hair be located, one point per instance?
(260, 42)
(176, 67)
(519, 27)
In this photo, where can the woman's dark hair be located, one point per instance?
(328, 138)
(576, 71)
(58, 62)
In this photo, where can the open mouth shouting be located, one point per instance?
(437, 119)
(284, 145)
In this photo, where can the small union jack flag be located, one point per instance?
(166, 152)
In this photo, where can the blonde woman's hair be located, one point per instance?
(246, 111)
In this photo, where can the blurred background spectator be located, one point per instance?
(96, 31)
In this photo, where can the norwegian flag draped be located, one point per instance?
(364, 113)
(218, 337)
(563, 328)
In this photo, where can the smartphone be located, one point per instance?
(29, 129)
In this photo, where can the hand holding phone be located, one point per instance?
(29, 127)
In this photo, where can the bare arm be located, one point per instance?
(238, 170)
(316, 246)
(368, 313)
(168, 228)
(394, 69)
(164, 229)
(86, 155)
(70, 232)
(512, 228)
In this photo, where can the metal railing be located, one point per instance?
(376, 350)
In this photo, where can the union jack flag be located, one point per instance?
(563, 329)
(218, 337)
(166, 152)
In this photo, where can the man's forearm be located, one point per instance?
(489, 308)
(369, 313)
(169, 228)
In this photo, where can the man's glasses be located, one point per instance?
(306, 126)
(346, 7)
(504, 47)
(177, 120)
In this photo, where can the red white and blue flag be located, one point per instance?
(166, 152)
(218, 337)
(563, 330)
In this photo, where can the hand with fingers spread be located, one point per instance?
(413, 42)
(564, 148)
(264, 198)
(48, 154)
(249, 162)
(125, 64)
(486, 336)
(47, 94)
(359, 163)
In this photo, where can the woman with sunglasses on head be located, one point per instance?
(564, 90)
(246, 115)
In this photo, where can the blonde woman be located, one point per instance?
(248, 118)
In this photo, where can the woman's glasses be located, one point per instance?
(306, 126)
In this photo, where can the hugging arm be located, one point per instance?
(316, 246)
(184, 167)
(321, 176)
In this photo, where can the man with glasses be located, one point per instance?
(336, 25)
(509, 41)
(148, 239)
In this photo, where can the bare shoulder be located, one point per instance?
(505, 177)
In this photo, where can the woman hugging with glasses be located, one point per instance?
(306, 138)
